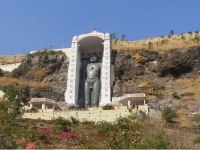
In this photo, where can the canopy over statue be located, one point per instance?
(99, 73)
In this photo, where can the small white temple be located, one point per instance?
(82, 47)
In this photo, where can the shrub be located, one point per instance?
(87, 122)
(51, 52)
(104, 127)
(74, 120)
(1, 73)
(168, 114)
(108, 107)
(123, 122)
(46, 57)
(159, 96)
(61, 121)
(197, 140)
(158, 142)
(175, 95)
(196, 118)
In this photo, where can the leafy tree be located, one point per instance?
(196, 32)
(123, 37)
(113, 36)
(171, 32)
(190, 33)
(168, 114)
(13, 96)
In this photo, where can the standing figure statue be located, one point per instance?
(92, 82)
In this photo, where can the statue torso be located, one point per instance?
(93, 70)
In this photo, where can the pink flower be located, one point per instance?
(102, 135)
(31, 146)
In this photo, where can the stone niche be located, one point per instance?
(81, 49)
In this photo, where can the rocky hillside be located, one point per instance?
(169, 78)
(47, 67)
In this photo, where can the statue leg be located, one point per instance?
(87, 94)
(95, 94)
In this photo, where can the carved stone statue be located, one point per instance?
(92, 82)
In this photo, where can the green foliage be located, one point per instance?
(169, 114)
(13, 95)
(108, 107)
(150, 45)
(123, 122)
(86, 122)
(175, 95)
(7, 127)
(1, 73)
(51, 52)
(119, 72)
(113, 36)
(46, 57)
(196, 118)
(197, 140)
(74, 120)
(158, 90)
(158, 142)
(105, 127)
(61, 121)
(159, 95)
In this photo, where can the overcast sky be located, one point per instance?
(27, 25)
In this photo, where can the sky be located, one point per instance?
(28, 25)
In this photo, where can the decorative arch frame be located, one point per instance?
(71, 94)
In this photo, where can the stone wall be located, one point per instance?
(92, 115)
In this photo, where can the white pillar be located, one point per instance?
(144, 101)
(31, 105)
(43, 106)
(129, 103)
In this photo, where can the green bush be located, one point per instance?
(1, 73)
(46, 57)
(175, 95)
(51, 52)
(159, 96)
(196, 118)
(85, 122)
(158, 142)
(168, 114)
(108, 107)
(197, 140)
(74, 120)
(104, 127)
(61, 121)
(123, 122)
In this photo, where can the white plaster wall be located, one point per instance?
(9, 67)
(65, 50)
(1, 93)
(95, 115)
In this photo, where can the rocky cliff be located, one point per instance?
(46, 67)
(166, 77)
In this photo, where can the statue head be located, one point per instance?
(94, 58)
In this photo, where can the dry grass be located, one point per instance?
(144, 85)
(188, 85)
(11, 59)
(157, 43)
(138, 58)
(40, 74)
(7, 81)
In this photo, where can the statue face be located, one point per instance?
(94, 58)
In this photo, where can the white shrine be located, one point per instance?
(82, 47)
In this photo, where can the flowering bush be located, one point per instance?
(31, 146)
(45, 134)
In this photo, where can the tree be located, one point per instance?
(13, 96)
(190, 33)
(9, 110)
(113, 36)
(196, 32)
(171, 32)
(123, 37)
(168, 114)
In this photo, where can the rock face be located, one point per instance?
(48, 67)
(135, 71)
(135, 67)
